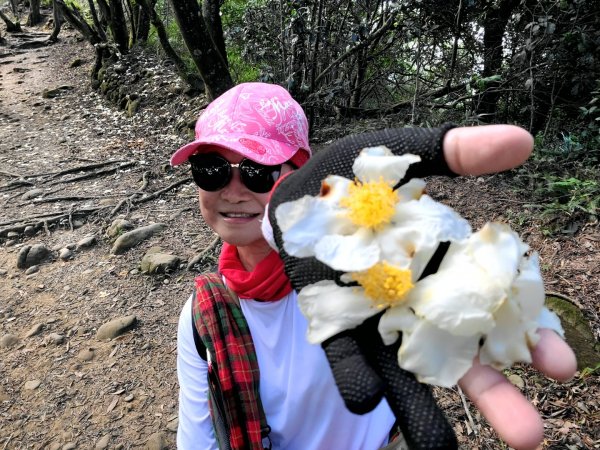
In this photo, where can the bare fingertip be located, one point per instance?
(554, 357)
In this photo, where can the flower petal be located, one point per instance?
(436, 356)
(331, 309)
(352, 253)
(418, 228)
(395, 320)
(458, 301)
(305, 221)
(411, 190)
(549, 319)
(498, 250)
(435, 221)
(528, 287)
(508, 342)
(374, 163)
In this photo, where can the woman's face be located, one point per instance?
(235, 212)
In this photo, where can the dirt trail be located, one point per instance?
(126, 388)
(61, 387)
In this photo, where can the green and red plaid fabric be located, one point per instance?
(233, 365)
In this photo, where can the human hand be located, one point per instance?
(471, 151)
(475, 151)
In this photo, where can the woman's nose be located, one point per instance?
(236, 190)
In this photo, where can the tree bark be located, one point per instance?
(206, 56)
(74, 17)
(212, 19)
(10, 26)
(34, 13)
(143, 18)
(118, 25)
(100, 28)
(193, 80)
(494, 27)
(58, 20)
(297, 74)
(14, 5)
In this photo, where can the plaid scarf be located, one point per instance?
(233, 369)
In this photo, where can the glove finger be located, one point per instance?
(420, 419)
(360, 387)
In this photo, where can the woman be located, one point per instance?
(245, 140)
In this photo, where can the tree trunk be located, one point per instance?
(10, 26)
(130, 14)
(14, 5)
(457, 28)
(118, 25)
(194, 81)
(212, 19)
(74, 17)
(104, 15)
(297, 74)
(58, 19)
(315, 53)
(143, 18)
(494, 26)
(361, 71)
(34, 13)
(100, 28)
(205, 54)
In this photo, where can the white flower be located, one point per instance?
(486, 300)
(354, 224)
(380, 237)
(486, 290)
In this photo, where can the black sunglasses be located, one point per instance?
(212, 172)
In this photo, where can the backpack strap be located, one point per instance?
(233, 372)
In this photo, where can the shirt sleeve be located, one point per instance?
(195, 429)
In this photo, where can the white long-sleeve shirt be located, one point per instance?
(301, 402)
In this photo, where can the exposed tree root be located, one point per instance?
(45, 222)
(200, 256)
(133, 201)
(14, 185)
(98, 173)
(83, 168)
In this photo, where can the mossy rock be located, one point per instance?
(104, 87)
(53, 93)
(101, 74)
(578, 332)
(132, 106)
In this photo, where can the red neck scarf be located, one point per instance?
(267, 281)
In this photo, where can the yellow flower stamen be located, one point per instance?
(385, 284)
(370, 204)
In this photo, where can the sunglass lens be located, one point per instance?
(210, 172)
(259, 178)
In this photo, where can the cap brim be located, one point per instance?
(265, 151)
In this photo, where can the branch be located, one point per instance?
(74, 17)
(385, 27)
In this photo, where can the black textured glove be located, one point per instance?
(364, 368)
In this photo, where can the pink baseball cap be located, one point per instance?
(257, 120)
